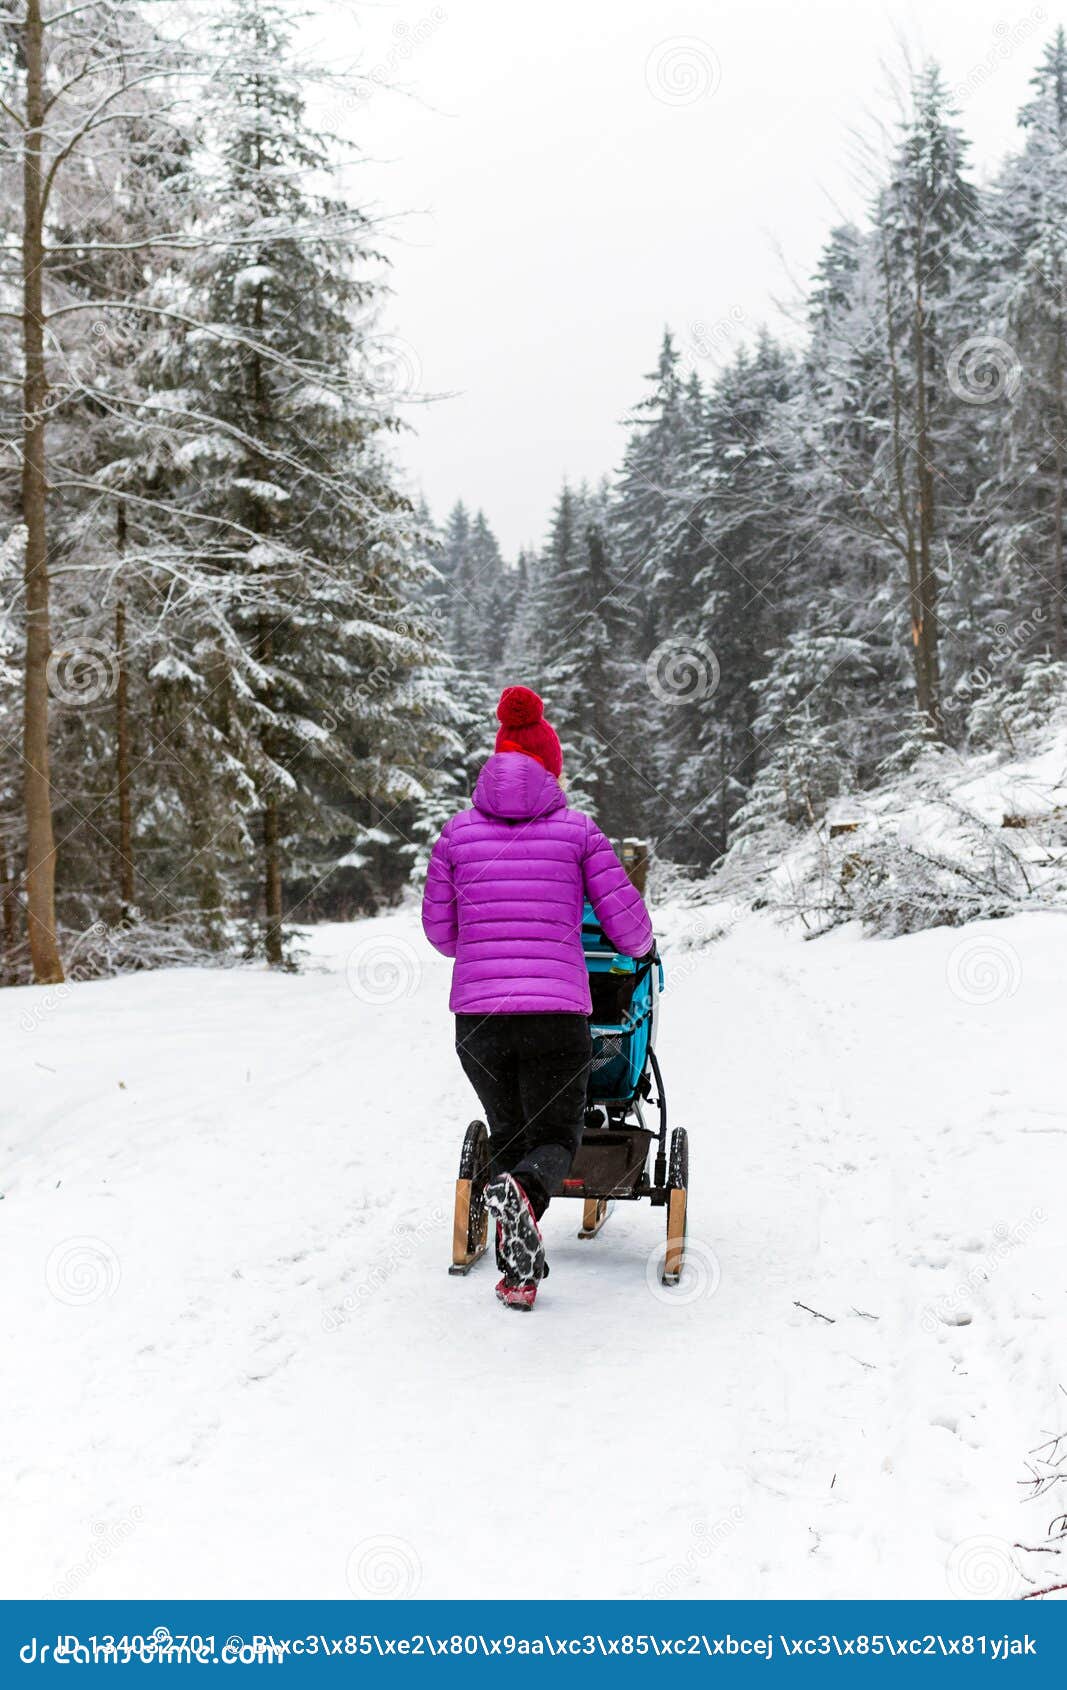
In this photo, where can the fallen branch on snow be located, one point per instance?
(829, 1319)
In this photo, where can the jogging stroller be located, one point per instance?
(613, 1159)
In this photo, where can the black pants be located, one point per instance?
(531, 1074)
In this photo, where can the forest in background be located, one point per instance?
(820, 565)
(220, 686)
(243, 678)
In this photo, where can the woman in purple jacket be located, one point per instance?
(504, 896)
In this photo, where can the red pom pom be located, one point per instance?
(519, 708)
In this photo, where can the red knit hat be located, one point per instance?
(523, 728)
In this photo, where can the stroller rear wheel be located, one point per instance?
(678, 1192)
(470, 1226)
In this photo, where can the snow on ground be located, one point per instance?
(988, 825)
(237, 1366)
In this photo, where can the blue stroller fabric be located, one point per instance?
(622, 1021)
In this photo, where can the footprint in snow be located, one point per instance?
(947, 1422)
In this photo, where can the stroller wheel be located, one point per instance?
(678, 1191)
(470, 1225)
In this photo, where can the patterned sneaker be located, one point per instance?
(520, 1249)
(517, 1296)
(502, 1266)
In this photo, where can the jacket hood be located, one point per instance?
(513, 787)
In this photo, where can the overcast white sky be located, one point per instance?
(576, 174)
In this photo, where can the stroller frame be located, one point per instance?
(612, 1163)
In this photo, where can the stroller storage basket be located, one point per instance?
(611, 1163)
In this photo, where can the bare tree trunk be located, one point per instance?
(1057, 538)
(127, 889)
(925, 635)
(10, 914)
(272, 869)
(272, 872)
(40, 841)
(605, 800)
(724, 805)
(272, 883)
(901, 480)
(1057, 570)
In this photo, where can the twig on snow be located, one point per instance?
(828, 1318)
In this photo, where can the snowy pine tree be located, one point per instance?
(1025, 420)
(322, 547)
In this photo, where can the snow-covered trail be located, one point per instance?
(237, 1366)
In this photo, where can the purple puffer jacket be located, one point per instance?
(505, 889)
